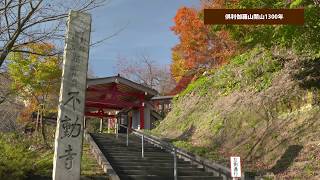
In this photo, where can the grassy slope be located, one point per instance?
(262, 106)
(23, 157)
(89, 166)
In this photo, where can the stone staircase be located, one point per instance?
(157, 164)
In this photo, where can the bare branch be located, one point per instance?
(47, 19)
(95, 44)
(6, 16)
(36, 53)
(145, 71)
(27, 21)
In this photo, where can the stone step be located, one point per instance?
(131, 150)
(143, 177)
(138, 154)
(115, 160)
(164, 172)
(135, 167)
(124, 145)
(125, 151)
(114, 146)
(131, 147)
(156, 165)
(159, 164)
(164, 156)
(140, 158)
(120, 140)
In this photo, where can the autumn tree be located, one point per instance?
(299, 39)
(36, 80)
(178, 66)
(145, 71)
(24, 22)
(199, 48)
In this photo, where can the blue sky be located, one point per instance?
(147, 30)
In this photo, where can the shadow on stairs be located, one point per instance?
(157, 163)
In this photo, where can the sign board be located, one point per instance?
(69, 132)
(235, 167)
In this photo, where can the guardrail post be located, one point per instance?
(142, 148)
(109, 125)
(101, 125)
(175, 174)
(127, 136)
(117, 130)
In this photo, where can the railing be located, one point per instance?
(217, 169)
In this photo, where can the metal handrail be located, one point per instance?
(217, 168)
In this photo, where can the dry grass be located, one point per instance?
(259, 126)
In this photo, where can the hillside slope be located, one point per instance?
(263, 106)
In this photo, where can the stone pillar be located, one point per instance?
(69, 131)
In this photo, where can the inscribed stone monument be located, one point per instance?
(69, 132)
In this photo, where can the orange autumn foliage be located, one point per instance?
(26, 112)
(199, 48)
(193, 36)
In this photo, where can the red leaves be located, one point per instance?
(182, 84)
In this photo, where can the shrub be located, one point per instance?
(16, 161)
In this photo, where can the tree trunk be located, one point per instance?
(3, 55)
(8, 47)
(37, 121)
(43, 132)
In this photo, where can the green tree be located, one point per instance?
(36, 80)
(301, 39)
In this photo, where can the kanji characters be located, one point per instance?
(70, 129)
(68, 157)
(74, 98)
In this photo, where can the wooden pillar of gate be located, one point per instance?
(141, 110)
